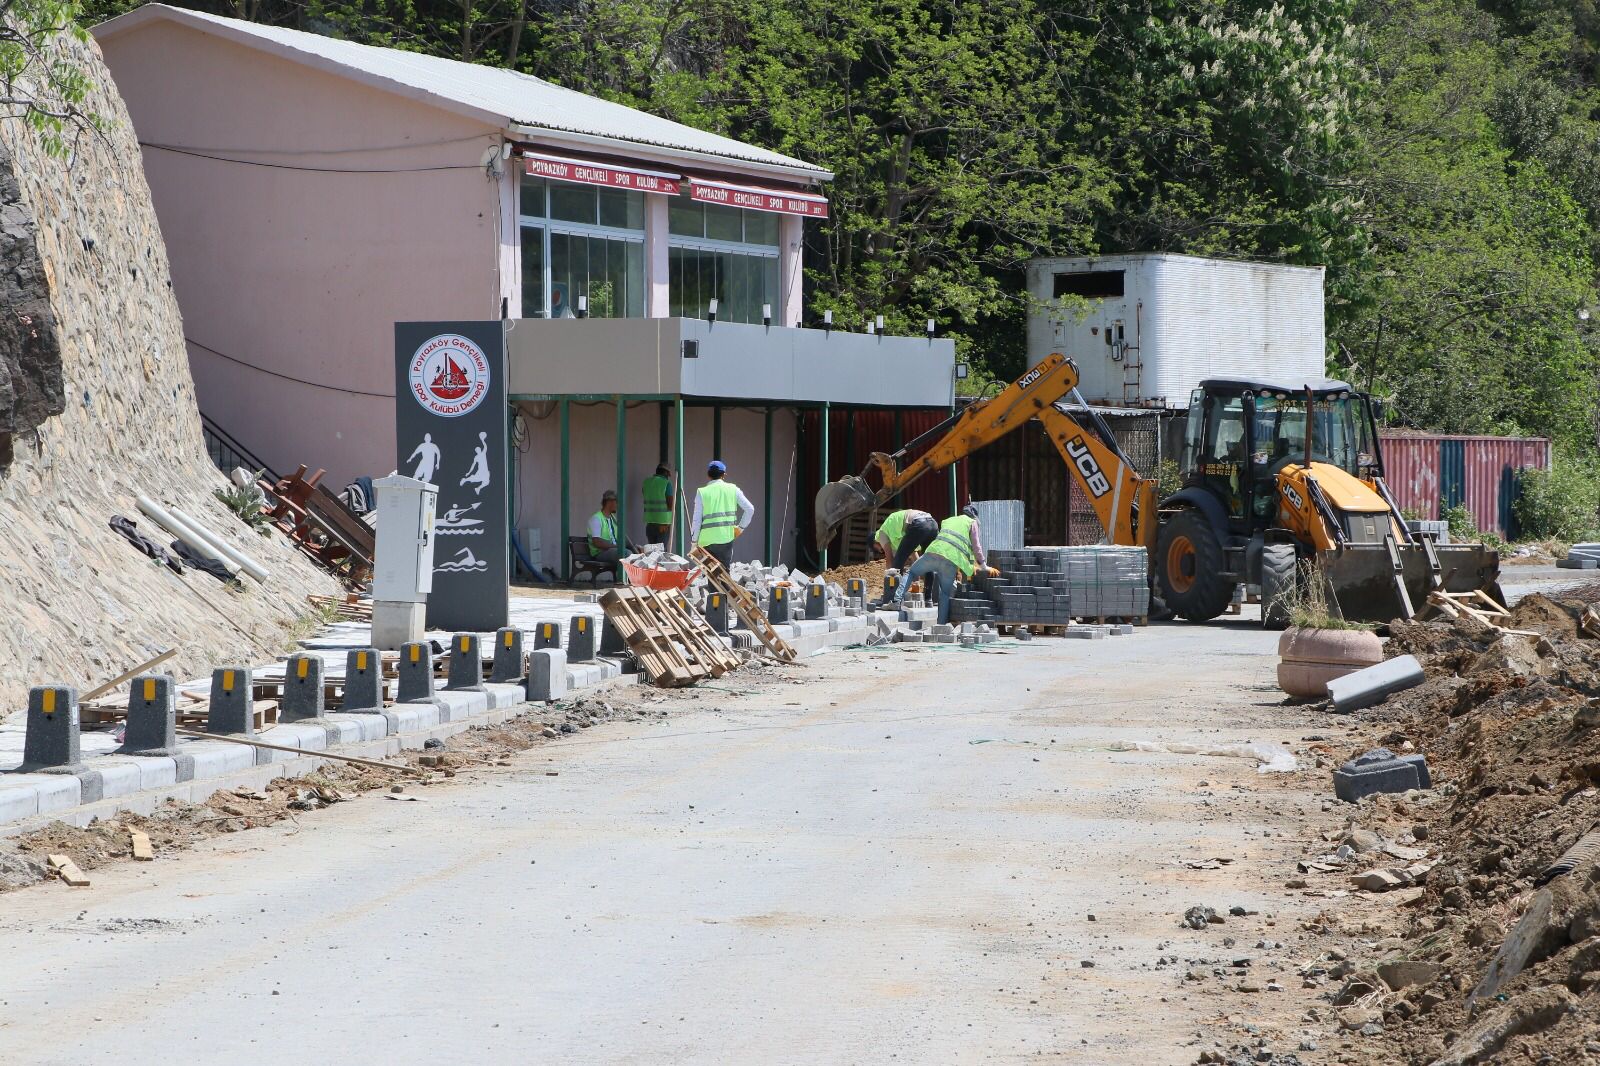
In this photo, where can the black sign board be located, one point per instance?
(451, 431)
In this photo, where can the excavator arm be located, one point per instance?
(1114, 488)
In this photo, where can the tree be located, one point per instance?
(39, 84)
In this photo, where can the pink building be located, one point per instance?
(314, 191)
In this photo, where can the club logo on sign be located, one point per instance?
(449, 375)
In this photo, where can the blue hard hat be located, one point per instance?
(717, 466)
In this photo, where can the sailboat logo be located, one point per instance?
(449, 375)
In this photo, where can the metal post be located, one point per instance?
(954, 502)
(716, 433)
(680, 532)
(661, 449)
(566, 489)
(766, 504)
(899, 428)
(827, 411)
(850, 439)
(622, 474)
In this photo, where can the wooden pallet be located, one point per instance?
(697, 633)
(189, 715)
(651, 637)
(348, 606)
(745, 606)
(1477, 605)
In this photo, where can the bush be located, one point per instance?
(1562, 503)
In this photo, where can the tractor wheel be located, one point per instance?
(1280, 577)
(1189, 568)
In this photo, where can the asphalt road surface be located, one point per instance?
(894, 860)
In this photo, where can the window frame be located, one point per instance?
(547, 225)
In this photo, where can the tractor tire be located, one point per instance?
(1189, 568)
(1280, 577)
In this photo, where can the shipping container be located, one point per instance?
(1430, 472)
(1157, 325)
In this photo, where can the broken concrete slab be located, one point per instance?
(1380, 770)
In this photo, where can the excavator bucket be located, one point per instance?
(837, 501)
(1362, 578)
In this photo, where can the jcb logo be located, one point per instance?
(1293, 497)
(1029, 378)
(1084, 461)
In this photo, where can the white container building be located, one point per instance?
(1156, 325)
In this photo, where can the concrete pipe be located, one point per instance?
(223, 548)
(180, 529)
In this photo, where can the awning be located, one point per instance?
(757, 198)
(588, 172)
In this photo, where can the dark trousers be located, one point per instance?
(655, 534)
(918, 535)
(609, 555)
(722, 553)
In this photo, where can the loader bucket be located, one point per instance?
(837, 501)
(1361, 578)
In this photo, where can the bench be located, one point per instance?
(578, 550)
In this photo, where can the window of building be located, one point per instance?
(726, 254)
(581, 244)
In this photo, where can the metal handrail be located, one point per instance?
(227, 453)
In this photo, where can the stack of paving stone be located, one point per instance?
(1054, 585)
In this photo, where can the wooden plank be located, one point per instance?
(68, 871)
(128, 676)
(745, 606)
(142, 850)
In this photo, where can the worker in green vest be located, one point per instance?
(605, 540)
(721, 514)
(658, 505)
(902, 533)
(955, 554)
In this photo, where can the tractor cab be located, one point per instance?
(1242, 434)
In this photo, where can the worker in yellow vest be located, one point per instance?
(658, 505)
(902, 533)
(721, 513)
(605, 539)
(956, 553)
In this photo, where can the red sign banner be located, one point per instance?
(561, 169)
(778, 201)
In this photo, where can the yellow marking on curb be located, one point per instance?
(47, 701)
(149, 690)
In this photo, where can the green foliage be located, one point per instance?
(1310, 606)
(247, 502)
(1464, 527)
(1562, 503)
(39, 82)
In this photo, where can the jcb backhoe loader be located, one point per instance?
(1280, 480)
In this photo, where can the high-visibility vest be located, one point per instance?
(656, 511)
(608, 522)
(719, 512)
(893, 529)
(954, 542)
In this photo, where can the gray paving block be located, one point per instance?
(1380, 770)
(547, 674)
(1366, 688)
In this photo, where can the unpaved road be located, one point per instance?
(894, 861)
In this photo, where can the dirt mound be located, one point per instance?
(1511, 729)
(871, 573)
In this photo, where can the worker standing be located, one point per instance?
(605, 540)
(658, 505)
(721, 513)
(957, 552)
(902, 533)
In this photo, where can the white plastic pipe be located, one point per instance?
(178, 528)
(222, 547)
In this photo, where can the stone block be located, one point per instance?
(363, 681)
(302, 689)
(816, 600)
(1366, 688)
(466, 664)
(547, 674)
(855, 586)
(582, 638)
(152, 723)
(397, 622)
(416, 672)
(51, 743)
(547, 635)
(508, 652)
(231, 709)
(778, 605)
(1377, 771)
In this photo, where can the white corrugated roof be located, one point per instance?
(514, 101)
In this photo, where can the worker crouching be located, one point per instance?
(955, 554)
(903, 533)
